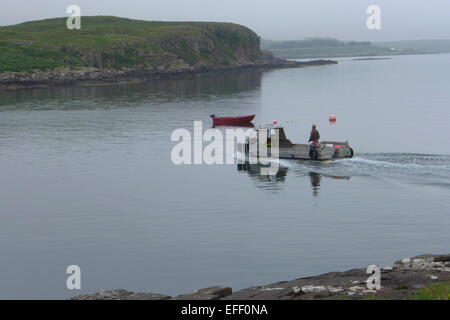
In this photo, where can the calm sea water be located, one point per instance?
(86, 179)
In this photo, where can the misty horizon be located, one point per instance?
(288, 20)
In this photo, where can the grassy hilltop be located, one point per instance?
(117, 43)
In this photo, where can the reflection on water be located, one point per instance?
(315, 182)
(269, 182)
(131, 94)
(316, 178)
(274, 182)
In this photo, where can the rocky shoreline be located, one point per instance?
(398, 282)
(67, 76)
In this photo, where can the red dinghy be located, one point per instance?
(232, 121)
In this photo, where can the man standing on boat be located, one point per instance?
(313, 143)
(315, 136)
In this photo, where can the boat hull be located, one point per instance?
(326, 153)
(233, 121)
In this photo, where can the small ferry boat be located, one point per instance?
(232, 121)
(323, 151)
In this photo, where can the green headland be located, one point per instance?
(118, 43)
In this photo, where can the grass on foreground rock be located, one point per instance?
(438, 291)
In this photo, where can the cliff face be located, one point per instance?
(215, 45)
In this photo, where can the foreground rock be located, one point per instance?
(213, 293)
(397, 282)
(121, 295)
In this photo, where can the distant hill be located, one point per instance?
(422, 46)
(309, 43)
(326, 47)
(116, 43)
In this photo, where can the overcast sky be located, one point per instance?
(271, 19)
